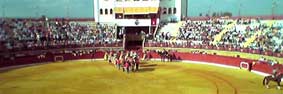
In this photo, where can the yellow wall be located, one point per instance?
(136, 10)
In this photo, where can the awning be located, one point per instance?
(136, 10)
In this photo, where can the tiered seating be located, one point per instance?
(202, 32)
(244, 35)
(271, 39)
(224, 31)
(259, 32)
(18, 35)
(169, 31)
(240, 33)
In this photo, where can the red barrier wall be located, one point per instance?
(225, 60)
(48, 58)
(232, 61)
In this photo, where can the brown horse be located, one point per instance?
(276, 79)
(165, 55)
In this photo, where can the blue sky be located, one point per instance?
(248, 7)
(51, 8)
(84, 8)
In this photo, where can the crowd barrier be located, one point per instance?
(30, 59)
(3, 49)
(253, 65)
(223, 48)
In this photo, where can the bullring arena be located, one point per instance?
(97, 76)
(141, 47)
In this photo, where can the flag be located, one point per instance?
(153, 21)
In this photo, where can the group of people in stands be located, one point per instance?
(271, 38)
(268, 61)
(238, 34)
(276, 70)
(198, 52)
(28, 34)
(203, 32)
(128, 61)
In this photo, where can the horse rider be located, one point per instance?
(137, 63)
(110, 56)
(106, 56)
(164, 52)
(127, 66)
(121, 55)
(275, 72)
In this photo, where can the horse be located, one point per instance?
(165, 55)
(276, 79)
(162, 55)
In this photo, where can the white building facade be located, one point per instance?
(138, 13)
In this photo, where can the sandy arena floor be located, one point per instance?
(99, 77)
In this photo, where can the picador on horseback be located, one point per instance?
(276, 77)
(165, 55)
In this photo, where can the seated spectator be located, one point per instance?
(199, 33)
(18, 34)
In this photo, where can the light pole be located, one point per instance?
(209, 9)
(240, 9)
(4, 9)
(67, 8)
(274, 5)
(36, 11)
(44, 11)
(187, 8)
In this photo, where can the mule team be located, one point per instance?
(128, 61)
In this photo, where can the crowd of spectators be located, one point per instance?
(203, 32)
(267, 61)
(22, 34)
(240, 32)
(270, 39)
(194, 32)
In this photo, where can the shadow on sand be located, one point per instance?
(148, 65)
(145, 67)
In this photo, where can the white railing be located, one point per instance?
(124, 41)
(143, 42)
(155, 31)
(133, 22)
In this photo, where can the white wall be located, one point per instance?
(96, 10)
(171, 4)
(102, 4)
(110, 4)
(132, 22)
